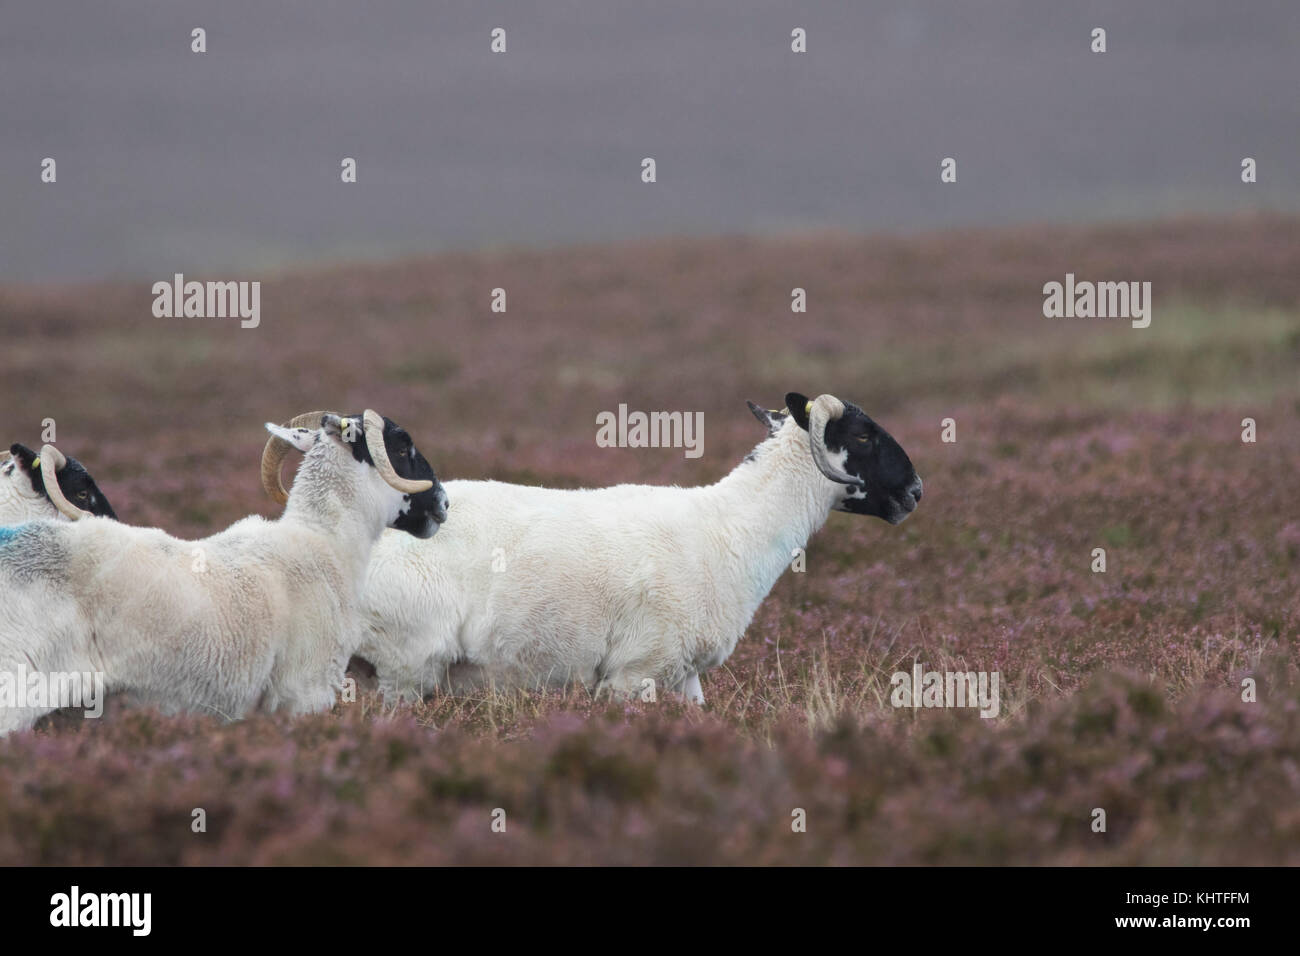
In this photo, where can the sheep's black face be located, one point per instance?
(889, 487)
(424, 512)
(74, 481)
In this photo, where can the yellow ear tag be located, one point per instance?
(345, 424)
(807, 409)
(36, 464)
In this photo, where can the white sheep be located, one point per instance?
(262, 616)
(22, 487)
(617, 587)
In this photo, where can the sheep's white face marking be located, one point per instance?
(398, 506)
(857, 492)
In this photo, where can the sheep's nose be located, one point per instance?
(917, 489)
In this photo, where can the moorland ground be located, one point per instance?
(1120, 690)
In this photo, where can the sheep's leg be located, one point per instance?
(692, 691)
(412, 683)
(21, 718)
(631, 686)
(22, 661)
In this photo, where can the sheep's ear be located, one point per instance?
(300, 438)
(772, 419)
(797, 405)
(25, 457)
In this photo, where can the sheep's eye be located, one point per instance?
(81, 496)
(864, 439)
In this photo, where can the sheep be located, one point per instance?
(262, 616)
(617, 587)
(22, 487)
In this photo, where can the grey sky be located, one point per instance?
(228, 161)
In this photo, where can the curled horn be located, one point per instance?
(53, 462)
(379, 455)
(823, 411)
(275, 452)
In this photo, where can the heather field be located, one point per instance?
(1120, 690)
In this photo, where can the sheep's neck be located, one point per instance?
(325, 500)
(17, 507)
(770, 505)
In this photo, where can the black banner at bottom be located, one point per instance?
(368, 905)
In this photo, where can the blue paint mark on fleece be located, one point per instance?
(8, 534)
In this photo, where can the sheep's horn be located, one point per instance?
(379, 454)
(275, 452)
(826, 409)
(53, 462)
